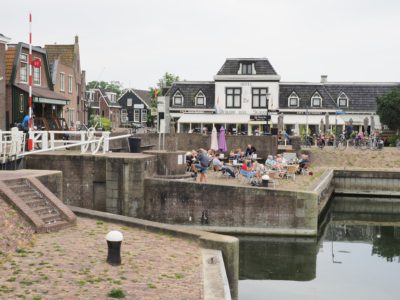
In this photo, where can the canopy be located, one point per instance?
(215, 119)
(214, 139)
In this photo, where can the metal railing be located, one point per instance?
(12, 143)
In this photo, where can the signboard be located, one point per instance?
(138, 106)
(153, 111)
(260, 117)
(37, 63)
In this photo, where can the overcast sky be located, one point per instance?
(135, 42)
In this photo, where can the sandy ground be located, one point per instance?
(71, 264)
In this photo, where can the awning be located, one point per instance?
(310, 119)
(214, 119)
(42, 95)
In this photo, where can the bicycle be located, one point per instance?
(341, 144)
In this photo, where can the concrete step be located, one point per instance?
(35, 202)
(42, 210)
(56, 226)
(48, 217)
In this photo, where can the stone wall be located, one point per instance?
(367, 181)
(112, 182)
(265, 145)
(190, 203)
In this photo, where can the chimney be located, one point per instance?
(76, 39)
(324, 78)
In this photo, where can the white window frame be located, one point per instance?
(293, 95)
(136, 118)
(144, 115)
(315, 96)
(129, 102)
(342, 96)
(37, 72)
(26, 64)
(70, 84)
(257, 92)
(200, 94)
(62, 82)
(178, 94)
(231, 94)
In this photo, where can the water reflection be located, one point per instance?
(356, 256)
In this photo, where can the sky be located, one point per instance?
(136, 42)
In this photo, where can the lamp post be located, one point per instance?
(307, 142)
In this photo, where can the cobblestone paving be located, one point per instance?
(70, 264)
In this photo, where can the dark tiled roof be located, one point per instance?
(262, 66)
(362, 96)
(189, 91)
(41, 92)
(63, 52)
(144, 95)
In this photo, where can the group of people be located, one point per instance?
(201, 160)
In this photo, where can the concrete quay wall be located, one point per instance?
(231, 209)
(265, 145)
(366, 181)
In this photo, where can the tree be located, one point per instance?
(388, 109)
(167, 80)
(112, 86)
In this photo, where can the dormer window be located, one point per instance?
(247, 68)
(178, 98)
(343, 100)
(200, 99)
(112, 97)
(293, 100)
(316, 100)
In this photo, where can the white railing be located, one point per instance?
(12, 143)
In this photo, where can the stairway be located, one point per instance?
(36, 203)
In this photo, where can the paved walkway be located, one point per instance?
(70, 264)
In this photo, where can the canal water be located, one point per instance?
(356, 256)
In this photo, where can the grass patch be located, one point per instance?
(99, 222)
(37, 298)
(151, 286)
(116, 293)
(179, 275)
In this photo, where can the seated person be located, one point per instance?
(270, 162)
(219, 166)
(303, 163)
(250, 150)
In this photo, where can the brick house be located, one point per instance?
(68, 79)
(46, 102)
(104, 104)
(3, 46)
(136, 104)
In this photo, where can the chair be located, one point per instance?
(291, 172)
(247, 175)
(274, 178)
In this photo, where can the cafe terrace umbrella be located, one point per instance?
(322, 126)
(327, 122)
(280, 123)
(222, 142)
(214, 139)
(372, 124)
(296, 129)
(365, 124)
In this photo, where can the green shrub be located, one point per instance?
(393, 139)
(116, 293)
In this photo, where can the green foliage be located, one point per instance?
(393, 139)
(167, 80)
(112, 86)
(116, 293)
(388, 109)
(99, 123)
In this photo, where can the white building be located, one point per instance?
(246, 90)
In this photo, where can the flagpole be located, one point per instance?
(30, 137)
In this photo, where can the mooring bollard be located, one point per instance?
(114, 239)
